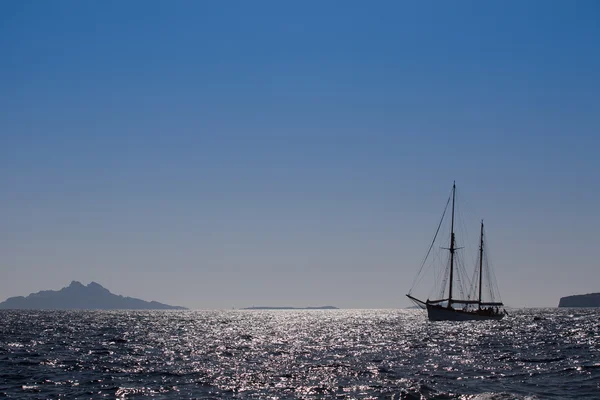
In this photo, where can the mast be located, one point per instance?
(452, 246)
(480, 262)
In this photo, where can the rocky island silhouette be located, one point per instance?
(580, 300)
(77, 296)
(290, 308)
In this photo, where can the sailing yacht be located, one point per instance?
(471, 306)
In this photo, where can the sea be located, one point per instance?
(297, 354)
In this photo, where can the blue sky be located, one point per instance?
(225, 154)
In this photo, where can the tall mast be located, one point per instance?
(452, 245)
(480, 262)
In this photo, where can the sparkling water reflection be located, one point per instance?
(550, 353)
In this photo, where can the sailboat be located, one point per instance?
(470, 306)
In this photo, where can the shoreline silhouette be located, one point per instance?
(77, 296)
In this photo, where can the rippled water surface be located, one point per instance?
(552, 353)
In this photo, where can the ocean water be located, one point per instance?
(532, 354)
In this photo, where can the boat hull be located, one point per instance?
(440, 313)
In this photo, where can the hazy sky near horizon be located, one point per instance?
(229, 154)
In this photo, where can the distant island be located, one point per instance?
(80, 297)
(290, 308)
(580, 300)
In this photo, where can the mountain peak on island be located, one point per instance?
(78, 296)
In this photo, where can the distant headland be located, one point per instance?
(290, 308)
(580, 300)
(80, 297)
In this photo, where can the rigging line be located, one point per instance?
(472, 287)
(464, 231)
(432, 243)
(437, 273)
(435, 259)
(490, 271)
(462, 277)
(430, 266)
(441, 289)
(475, 280)
(466, 210)
(492, 279)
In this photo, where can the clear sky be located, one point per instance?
(235, 153)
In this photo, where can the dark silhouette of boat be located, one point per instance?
(469, 305)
